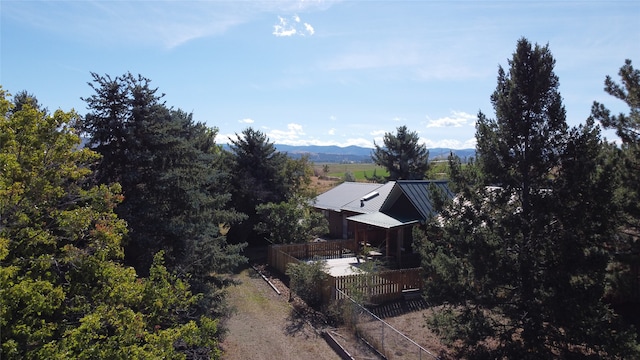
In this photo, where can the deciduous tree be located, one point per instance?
(64, 292)
(291, 221)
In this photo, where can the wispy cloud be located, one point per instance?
(457, 119)
(287, 27)
(246, 121)
(153, 23)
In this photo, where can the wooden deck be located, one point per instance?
(377, 287)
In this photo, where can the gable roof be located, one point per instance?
(372, 201)
(418, 192)
(408, 202)
(336, 198)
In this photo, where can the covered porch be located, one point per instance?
(387, 238)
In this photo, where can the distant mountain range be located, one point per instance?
(357, 154)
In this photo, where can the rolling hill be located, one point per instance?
(348, 154)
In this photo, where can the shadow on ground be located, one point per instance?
(399, 308)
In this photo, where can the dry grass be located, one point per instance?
(267, 325)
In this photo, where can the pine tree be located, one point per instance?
(172, 178)
(262, 175)
(519, 257)
(627, 250)
(402, 155)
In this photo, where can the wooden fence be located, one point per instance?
(376, 287)
(278, 258)
(325, 249)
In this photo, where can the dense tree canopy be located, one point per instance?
(627, 127)
(519, 258)
(402, 155)
(64, 292)
(175, 192)
(262, 175)
(176, 197)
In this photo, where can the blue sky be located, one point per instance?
(317, 72)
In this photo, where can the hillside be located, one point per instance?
(347, 154)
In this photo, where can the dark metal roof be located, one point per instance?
(393, 204)
(418, 193)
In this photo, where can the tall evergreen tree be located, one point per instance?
(402, 155)
(626, 286)
(262, 175)
(519, 257)
(171, 175)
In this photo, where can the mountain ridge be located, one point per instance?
(353, 153)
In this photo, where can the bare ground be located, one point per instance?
(267, 325)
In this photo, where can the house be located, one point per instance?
(348, 199)
(381, 216)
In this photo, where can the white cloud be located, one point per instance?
(309, 28)
(290, 27)
(449, 143)
(332, 131)
(333, 118)
(289, 136)
(457, 119)
(246, 121)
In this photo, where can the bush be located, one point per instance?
(307, 280)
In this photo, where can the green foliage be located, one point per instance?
(625, 285)
(438, 170)
(307, 280)
(176, 194)
(402, 155)
(519, 258)
(361, 171)
(262, 175)
(63, 290)
(292, 221)
(375, 177)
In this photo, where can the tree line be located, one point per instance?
(122, 248)
(543, 234)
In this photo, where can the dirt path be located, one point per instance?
(264, 325)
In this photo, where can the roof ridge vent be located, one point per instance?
(370, 196)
